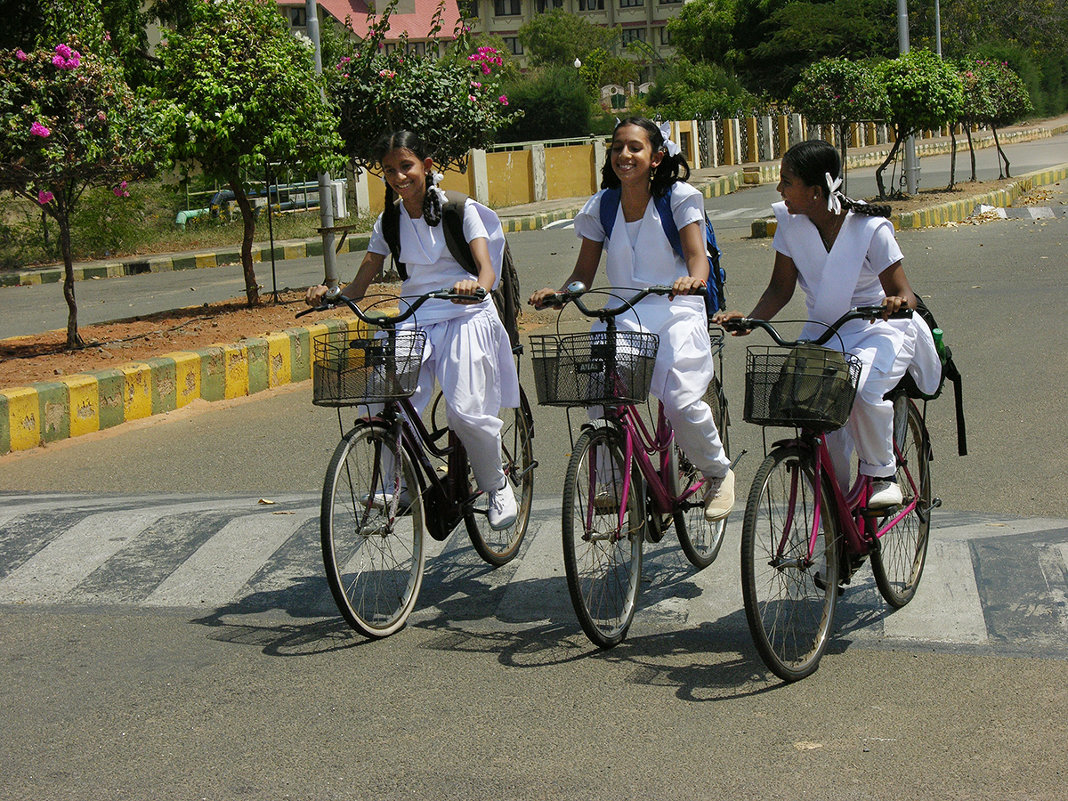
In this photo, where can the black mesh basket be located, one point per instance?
(348, 370)
(593, 369)
(805, 386)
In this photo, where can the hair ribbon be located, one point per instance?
(671, 147)
(834, 203)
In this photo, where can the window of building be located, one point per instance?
(665, 36)
(631, 4)
(515, 47)
(417, 48)
(670, 2)
(507, 8)
(591, 5)
(468, 8)
(548, 5)
(389, 47)
(298, 17)
(633, 35)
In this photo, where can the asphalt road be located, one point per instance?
(492, 691)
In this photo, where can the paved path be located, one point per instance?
(992, 584)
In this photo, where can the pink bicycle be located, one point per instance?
(626, 481)
(802, 537)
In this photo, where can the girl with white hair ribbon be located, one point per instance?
(644, 177)
(467, 347)
(842, 253)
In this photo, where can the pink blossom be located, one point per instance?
(63, 50)
(503, 99)
(107, 36)
(39, 130)
(471, 98)
(45, 197)
(100, 115)
(476, 85)
(20, 55)
(485, 69)
(120, 190)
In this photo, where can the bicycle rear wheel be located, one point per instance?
(602, 548)
(372, 530)
(898, 561)
(790, 611)
(517, 454)
(701, 539)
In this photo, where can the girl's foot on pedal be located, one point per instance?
(885, 492)
(719, 496)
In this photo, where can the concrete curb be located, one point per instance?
(94, 401)
(954, 211)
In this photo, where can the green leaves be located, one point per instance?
(838, 91)
(923, 91)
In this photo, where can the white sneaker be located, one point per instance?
(503, 510)
(884, 492)
(719, 496)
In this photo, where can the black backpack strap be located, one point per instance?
(391, 233)
(452, 224)
(953, 375)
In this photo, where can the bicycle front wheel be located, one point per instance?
(372, 530)
(498, 547)
(602, 542)
(898, 561)
(700, 539)
(789, 595)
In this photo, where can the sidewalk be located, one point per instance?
(712, 181)
(93, 401)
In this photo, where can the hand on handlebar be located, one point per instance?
(471, 288)
(892, 304)
(548, 298)
(733, 321)
(687, 285)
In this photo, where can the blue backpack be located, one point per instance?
(715, 291)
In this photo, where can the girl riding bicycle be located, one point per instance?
(843, 254)
(467, 347)
(642, 164)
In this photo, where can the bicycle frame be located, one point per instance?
(639, 445)
(860, 531)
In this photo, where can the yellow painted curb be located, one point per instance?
(84, 403)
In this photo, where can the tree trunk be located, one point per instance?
(971, 148)
(252, 288)
(889, 159)
(952, 158)
(1001, 155)
(74, 339)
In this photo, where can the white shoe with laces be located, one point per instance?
(719, 496)
(503, 509)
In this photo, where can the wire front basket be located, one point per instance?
(348, 370)
(805, 386)
(593, 368)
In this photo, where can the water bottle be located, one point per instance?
(939, 345)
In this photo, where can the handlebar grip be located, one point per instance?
(737, 324)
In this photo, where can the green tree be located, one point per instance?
(704, 31)
(802, 32)
(924, 92)
(558, 38)
(689, 90)
(454, 103)
(994, 95)
(839, 92)
(555, 103)
(69, 121)
(239, 91)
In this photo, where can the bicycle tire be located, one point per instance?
(702, 539)
(498, 547)
(372, 550)
(899, 560)
(790, 617)
(602, 559)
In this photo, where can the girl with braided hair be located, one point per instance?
(467, 347)
(842, 253)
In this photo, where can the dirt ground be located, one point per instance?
(24, 360)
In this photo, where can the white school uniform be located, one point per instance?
(638, 254)
(833, 283)
(467, 347)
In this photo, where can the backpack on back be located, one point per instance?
(506, 296)
(715, 289)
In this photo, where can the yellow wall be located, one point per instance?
(511, 178)
(567, 171)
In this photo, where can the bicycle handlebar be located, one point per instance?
(856, 313)
(383, 320)
(575, 290)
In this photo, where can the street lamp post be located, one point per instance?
(912, 164)
(326, 200)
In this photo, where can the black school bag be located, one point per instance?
(949, 373)
(507, 294)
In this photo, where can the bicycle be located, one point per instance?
(393, 477)
(614, 496)
(802, 536)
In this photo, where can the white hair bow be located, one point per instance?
(671, 147)
(435, 179)
(834, 202)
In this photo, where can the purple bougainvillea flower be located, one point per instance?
(39, 130)
(44, 197)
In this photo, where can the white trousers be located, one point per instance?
(470, 358)
(870, 429)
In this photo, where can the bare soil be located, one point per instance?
(45, 357)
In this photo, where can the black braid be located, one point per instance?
(867, 209)
(431, 204)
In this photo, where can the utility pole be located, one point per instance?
(912, 164)
(326, 188)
